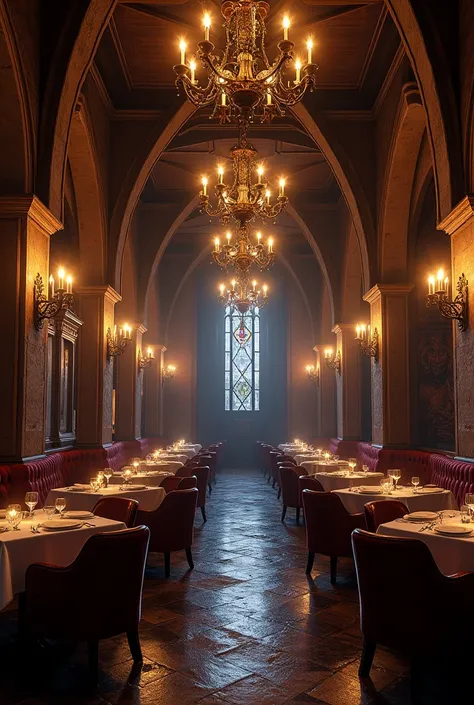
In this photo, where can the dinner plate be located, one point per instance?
(452, 529)
(420, 516)
(430, 490)
(78, 514)
(61, 524)
(370, 490)
(135, 487)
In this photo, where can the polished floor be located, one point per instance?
(245, 627)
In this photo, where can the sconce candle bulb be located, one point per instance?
(438, 296)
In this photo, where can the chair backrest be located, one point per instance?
(117, 509)
(398, 576)
(187, 483)
(328, 523)
(172, 523)
(382, 511)
(275, 456)
(98, 595)
(172, 483)
(290, 495)
(185, 471)
(284, 458)
(305, 482)
(202, 473)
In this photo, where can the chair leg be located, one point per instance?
(203, 512)
(189, 557)
(368, 653)
(273, 484)
(297, 515)
(333, 561)
(210, 489)
(279, 493)
(167, 565)
(134, 644)
(309, 565)
(93, 655)
(283, 513)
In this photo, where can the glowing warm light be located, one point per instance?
(149, 352)
(309, 47)
(270, 244)
(265, 289)
(204, 182)
(69, 284)
(282, 184)
(298, 71)
(328, 353)
(267, 195)
(260, 173)
(221, 289)
(233, 283)
(192, 66)
(220, 174)
(286, 27)
(182, 48)
(207, 25)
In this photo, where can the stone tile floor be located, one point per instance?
(246, 626)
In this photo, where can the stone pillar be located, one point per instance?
(459, 225)
(390, 372)
(326, 396)
(128, 390)
(95, 372)
(348, 384)
(25, 228)
(154, 394)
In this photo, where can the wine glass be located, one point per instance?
(31, 500)
(108, 472)
(14, 515)
(49, 510)
(60, 505)
(469, 500)
(352, 464)
(365, 468)
(335, 458)
(415, 481)
(397, 473)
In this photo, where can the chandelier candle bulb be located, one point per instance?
(204, 186)
(431, 285)
(149, 353)
(286, 27)
(69, 284)
(439, 284)
(207, 25)
(268, 194)
(265, 290)
(51, 286)
(61, 275)
(217, 244)
(282, 187)
(270, 244)
(192, 66)
(269, 98)
(182, 49)
(260, 174)
(220, 173)
(223, 99)
(309, 47)
(298, 70)
(228, 236)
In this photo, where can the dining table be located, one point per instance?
(431, 499)
(154, 478)
(83, 497)
(452, 554)
(343, 479)
(21, 548)
(175, 456)
(313, 466)
(169, 466)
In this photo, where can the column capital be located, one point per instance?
(460, 214)
(31, 206)
(106, 291)
(387, 290)
(341, 328)
(141, 329)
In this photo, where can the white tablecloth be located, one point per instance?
(176, 457)
(354, 502)
(314, 466)
(337, 481)
(151, 479)
(19, 549)
(148, 499)
(170, 466)
(305, 457)
(453, 554)
(290, 448)
(192, 446)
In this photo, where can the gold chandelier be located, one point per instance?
(243, 253)
(242, 83)
(245, 199)
(243, 295)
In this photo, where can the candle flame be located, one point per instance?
(69, 279)
(192, 65)
(286, 22)
(220, 170)
(298, 65)
(204, 181)
(61, 273)
(282, 183)
(206, 20)
(309, 43)
(440, 274)
(260, 170)
(182, 45)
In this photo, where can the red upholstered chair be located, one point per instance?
(173, 483)
(172, 525)
(382, 511)
(290, 496)
(117, 509)
(184, 472)
(328, 527)
(284, 458)
(287, 466)
(398, 576)
(305, 482)
(203, 460)
(97, 597)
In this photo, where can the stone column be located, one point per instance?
(95, 372)
(459, 224)
(326, 396)
(390, 372)
(128, 387)
(154, 394)
(25, 228)
(348, 384)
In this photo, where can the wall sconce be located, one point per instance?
(144, 362)
(438, 296)
(167, 373)
(60, 299)
(334, 363)
(367, 343)
(313, 373)
(116, 344)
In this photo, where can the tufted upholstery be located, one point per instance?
(367, 454)
(13, 483)
(411, 462)
(454, 475)
(344, 449)
(118, 454)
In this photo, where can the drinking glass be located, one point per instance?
(415, 481)
(335, 457)
(31, 500)
(469, 500)
(14, 515)
(60, 505)
(397, 473)
(386, 484)
(352, 463)
(465, 514)
(365, 468)
(108, 472)
(49, 510)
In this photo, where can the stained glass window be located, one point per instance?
(242, 360)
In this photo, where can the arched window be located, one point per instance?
(242, 360)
